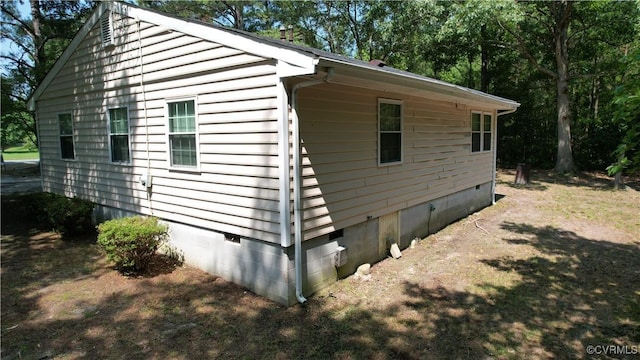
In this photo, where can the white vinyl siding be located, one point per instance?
(67, 144)
(182, 134)
(344, 185)
(481, 131)
(389, 132)
(236, 189)
(119, 140)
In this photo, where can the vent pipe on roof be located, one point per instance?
(290, 27)
(283, 31)
(377, 62)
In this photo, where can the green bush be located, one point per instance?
(34, 208)
(47, 211)
(69, 216)
(131, 242)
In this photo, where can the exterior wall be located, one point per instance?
(268, 269)
(236, 189)
(343, 184)
(260, 266)
(362, 240)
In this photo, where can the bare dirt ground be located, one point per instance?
(551, 271)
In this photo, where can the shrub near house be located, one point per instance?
(67, 216)
(131, 242)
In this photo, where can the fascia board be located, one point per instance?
(299, 63)
(224, 37)
(390, 81)
(285, 69)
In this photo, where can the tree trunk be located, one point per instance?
(470, 82)
(617, 181)
(484, 69)
(239, 16)
(39, 60)
(564, 160)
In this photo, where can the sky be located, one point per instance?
(6, 46)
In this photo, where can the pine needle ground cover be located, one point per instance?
(550, 271)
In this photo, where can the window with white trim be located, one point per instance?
(67, 146)
(481, 131)
(389, 131)
(119, 139)
(183, 144)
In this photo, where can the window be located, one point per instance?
(182, 134)
(67, 150)
(481, 131)
(106, 29)
(389, 131)
(486, 132)
(119, 135)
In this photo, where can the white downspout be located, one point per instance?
(495, 153)
(285, 175)
(297, 181)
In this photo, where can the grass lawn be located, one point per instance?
(20, 153)
(549, 272)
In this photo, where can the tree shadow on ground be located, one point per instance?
(194, 315)
(577, 292)
(633, 182)
(199, 316)
(540, 179)
(572, 292)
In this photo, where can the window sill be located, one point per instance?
(390, 163)
(186, 170)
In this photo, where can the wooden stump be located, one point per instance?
(522, 174)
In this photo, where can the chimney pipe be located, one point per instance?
(377, 62)
(290, 27)
(283, 33)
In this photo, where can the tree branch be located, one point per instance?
(17, 98)
(566, 16)
(525, 52)
(16, 60)
(25, 26)
(17, 41)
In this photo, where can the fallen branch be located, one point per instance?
(480, 227)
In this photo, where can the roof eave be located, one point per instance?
(443, 89)
(297, 61)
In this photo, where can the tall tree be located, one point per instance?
(36, 41)
(546, 33)
(550, 21)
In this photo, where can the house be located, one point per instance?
(279, 167)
